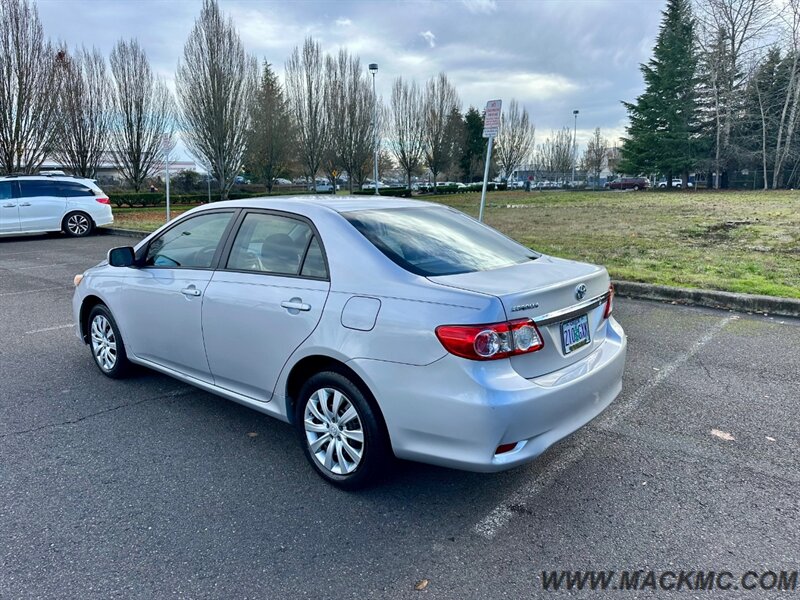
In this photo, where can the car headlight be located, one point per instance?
(76, 281)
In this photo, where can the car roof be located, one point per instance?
(48, 178)
(340, 204)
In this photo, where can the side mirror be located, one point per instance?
(121, 257)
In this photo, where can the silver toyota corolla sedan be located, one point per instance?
(378, 327)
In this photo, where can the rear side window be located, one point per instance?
(275, 244)
(30, 188)
(72, 190)
(6, 193)
(434, 241)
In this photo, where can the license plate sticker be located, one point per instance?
(575, 334)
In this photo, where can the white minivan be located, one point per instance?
(37, 204)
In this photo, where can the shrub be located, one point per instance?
(394, 191)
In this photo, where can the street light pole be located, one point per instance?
(574, 145)
(373, 68)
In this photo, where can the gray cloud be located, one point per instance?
(552, 56)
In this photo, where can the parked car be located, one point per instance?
(676, 183)
(322, 188)
(516, 185)
(369, 185)
(630, 183)
(449, 343)
(37, 204)
(241, 180)
(281, 181)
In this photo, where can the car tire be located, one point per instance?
(77, 224)
(105, 343)
(342, 433)
(636, 188)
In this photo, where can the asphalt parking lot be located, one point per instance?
(147, 488)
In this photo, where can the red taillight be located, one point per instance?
(491, 342)
(609, 302)
(103, 200)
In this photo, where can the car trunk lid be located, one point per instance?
(551, 291)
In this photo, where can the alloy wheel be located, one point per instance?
(104, 343)
(334, 432)
(78, 224)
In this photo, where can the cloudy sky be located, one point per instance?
(551, 55)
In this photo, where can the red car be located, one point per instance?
(630, 183)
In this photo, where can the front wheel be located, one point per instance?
(108, 349)
(341, 432)
(77, 224)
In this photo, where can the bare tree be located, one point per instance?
(406, 126)
(730, 29)
(86, 113)
(555, 154)
(514, 138)
(349, 108)
(304, 80)
(441, 99)
(215, 84)
(790, 111)
(596, 155)
(30, 77)
(270, 139)
(143, 114)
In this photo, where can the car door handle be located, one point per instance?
(295, 305)
(9, 205)
(190, 291)
(25, 203)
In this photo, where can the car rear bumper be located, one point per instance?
(456, 412)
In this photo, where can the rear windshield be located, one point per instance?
(434, 241)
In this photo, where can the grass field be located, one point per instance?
(735, 241)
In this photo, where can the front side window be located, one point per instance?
(434, 241)
(191, 244)
(268, 243)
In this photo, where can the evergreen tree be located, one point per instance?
(474, 154)
(663, 121)
(271, 135)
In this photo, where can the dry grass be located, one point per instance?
(735, 241)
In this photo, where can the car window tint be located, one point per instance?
(437, 241)
(269, 244)
(314, 263)
(5, 190)
(35, 187)
(190, 244)
(72, 190)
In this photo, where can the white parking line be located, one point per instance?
(499, 516)
(56, 327)
(50, 289)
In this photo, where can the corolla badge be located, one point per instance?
(580, 291)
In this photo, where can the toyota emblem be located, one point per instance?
(580, 291)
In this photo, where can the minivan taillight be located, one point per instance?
(492, 341)
(103, 200)
(609, 302)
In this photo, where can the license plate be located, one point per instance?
(575, 333)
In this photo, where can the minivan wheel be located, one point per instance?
(77, 224)
(105, 342)
(341, 435)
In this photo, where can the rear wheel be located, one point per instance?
(341, 433)
(636, 188)
(77, 224)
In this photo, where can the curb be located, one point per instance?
(122, 232)
(750, 303)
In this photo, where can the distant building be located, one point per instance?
(109, 171)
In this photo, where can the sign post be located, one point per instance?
(491, 125)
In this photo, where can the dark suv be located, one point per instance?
(630, 183)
